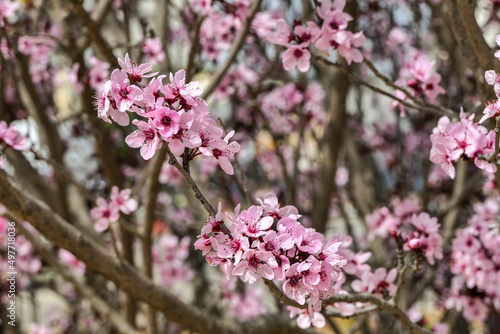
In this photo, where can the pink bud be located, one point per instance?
(414, 243)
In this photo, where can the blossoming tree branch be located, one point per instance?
(238, 166)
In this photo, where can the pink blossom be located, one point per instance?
(381, 222)
(167, 122)
(122, 92)
(257, 264)
(12, 138)
(224, 151)
(71, 261)
(153, 49)
(296, 56)
(308, 34)
(247, 305)
(184, 136)
(98, 73)
(491, 110)
(252, 224)
(122, 200)
(356, 262)
(144, 137)
(136, 73)
(306, 319)
(379, 282)
(103, 214)
(282, 36)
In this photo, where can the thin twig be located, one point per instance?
(197, 192)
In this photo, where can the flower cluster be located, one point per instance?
(417, 74)
(418, 231)
(463, 139)
(173, 113)
(267, 241)
(105, 213)
(475, 260)
(333, 35)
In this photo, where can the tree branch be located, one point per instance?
(96, 302)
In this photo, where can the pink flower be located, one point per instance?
(71, 261)
(98, 73)
(184, 136)
(296, 56)
(136, 73)
(122, 92)
(122, 200)
(356, 262)
(257, 264)
(305, 319)
(328, 7)
(103, 214)
(224, 151)
(307, 35)
(380, 223)
(153, 49)
(179, 91)
(144, 137)
(11, 137)
(294, 286)
(282, 36)
(167, 122)
(252, 224)
(379, 282)
(491, 110)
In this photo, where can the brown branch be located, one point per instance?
(97, 303)
(359, 312)
(237, 45)
(281, 296)
(382, 305)
(197, 192)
